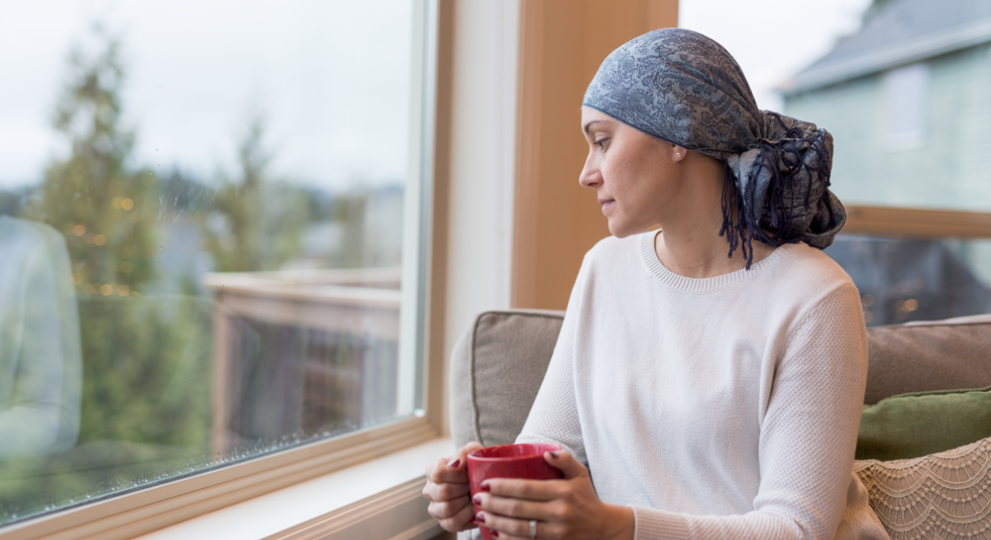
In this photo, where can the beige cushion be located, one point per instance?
(944, 495)
(496, 370)
(925, 356)
(497, 366)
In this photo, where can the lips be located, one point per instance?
(606, 203)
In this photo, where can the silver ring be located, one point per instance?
(533, 528)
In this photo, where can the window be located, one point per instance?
(905, 106)
(903, 87)
(213, 239)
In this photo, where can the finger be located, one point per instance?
(508, 528)
(453, 469)
(571, 467)
(544, 530)
(462, 454)
(514, 508)
(533, 490)
(448, 509)
(471, 524)
(459, 521)
(448, 471)
(435, 467)
(445, 492)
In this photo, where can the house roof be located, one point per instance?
(901, 32)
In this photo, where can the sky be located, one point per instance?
(329, 77)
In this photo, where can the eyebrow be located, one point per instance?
(585, 129)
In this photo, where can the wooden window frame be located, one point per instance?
(153, 508)
(916, 222)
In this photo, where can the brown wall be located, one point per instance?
(435, 393)
(562, 43)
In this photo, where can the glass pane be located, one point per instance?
(905, 119)
(902, 85)
(903, 280)
(201, 216)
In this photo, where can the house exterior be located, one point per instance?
(908, 101)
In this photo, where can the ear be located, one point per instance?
(678, 153)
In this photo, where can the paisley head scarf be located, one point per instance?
(686, 89)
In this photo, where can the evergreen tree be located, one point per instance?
(108, 212)
(136, 364)
(256, 224)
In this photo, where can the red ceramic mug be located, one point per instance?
(509, 461)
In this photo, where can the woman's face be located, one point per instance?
(635, 176)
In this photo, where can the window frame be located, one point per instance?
(916, 222)
(173, 501)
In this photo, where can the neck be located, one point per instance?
(702, 258)
(689, 243)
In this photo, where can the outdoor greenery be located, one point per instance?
(145, 320)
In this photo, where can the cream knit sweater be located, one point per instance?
(724, 407)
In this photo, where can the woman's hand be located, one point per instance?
(447, 490)
(566, 508)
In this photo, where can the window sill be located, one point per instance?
(342, 504)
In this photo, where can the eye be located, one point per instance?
(601, 143)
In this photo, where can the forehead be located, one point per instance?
(592, 118)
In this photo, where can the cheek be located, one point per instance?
(618, 174)
(633, 182)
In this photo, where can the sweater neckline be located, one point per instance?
(703, 285)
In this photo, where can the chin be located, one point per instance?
(620, 231)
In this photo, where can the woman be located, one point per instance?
(710, 396)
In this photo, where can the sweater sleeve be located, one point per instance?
(554, 417)
(807, 439)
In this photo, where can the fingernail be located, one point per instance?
(495, 534)
(480, 517)
(454, 462)
(477, 500)
(555, 455)
(485, 486)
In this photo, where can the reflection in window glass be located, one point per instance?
(201, 213)
(902, 280)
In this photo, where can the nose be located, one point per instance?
(590, 176)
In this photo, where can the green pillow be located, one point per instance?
(914, 425)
